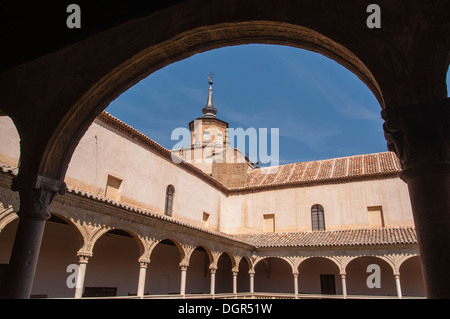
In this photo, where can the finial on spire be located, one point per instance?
(209, 110)
(210, 77)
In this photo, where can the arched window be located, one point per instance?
(170, 191)
(317, 217)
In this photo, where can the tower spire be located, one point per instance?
(209, 111)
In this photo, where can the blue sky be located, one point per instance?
(322, 110)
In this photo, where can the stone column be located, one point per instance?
(235, 274)
(398, 286)
(344, 285)
(84, 259)
(420, 136)
(295, 274)
(252, 281)
(35, 200)
(212, 290)
(142, 274)
(183, 279)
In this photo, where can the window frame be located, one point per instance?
(317, 217)
(168, 205)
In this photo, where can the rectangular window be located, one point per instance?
(375, 214)
(269, 223)
(219, 139)
(205, 219)
(206, 137)
(113, 188)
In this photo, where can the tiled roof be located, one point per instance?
(326, 170)
(330, 238)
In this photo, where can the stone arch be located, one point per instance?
(264, 259)
(358, 273)
(7, 215)
(208, 252)
(275, 278)
(133, 63)
(406, 75)
(92, 232)
(10, 147)
(164, 272)
(72, 225)
(198, 279)
(244, 267)
(225, 264)
(310, 272)
(114, 261)
(176, 243)
(60, 243)
(410, 274)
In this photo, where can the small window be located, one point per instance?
(375, 214)
(113, 189)
(317, 217)
(168, 208)
(269, 223)
(205, 220)
(206, 137)
(219, 139)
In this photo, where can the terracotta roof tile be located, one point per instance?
(315, 171)
(351, 237)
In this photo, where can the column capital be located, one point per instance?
(184, 266)
(83, 259)
(212, 270)
(420, 136)
(36, 195)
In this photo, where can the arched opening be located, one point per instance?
(370, 275)
(411, 278)
(198, 278)
(59, 248)
(147, 59)
(224, 275)
(103, 98)
(273, 275)
(163, 272)
(243, 279)
(319, 275)
(10, 144)
(113, 269)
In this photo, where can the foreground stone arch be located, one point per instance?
(68, 82)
